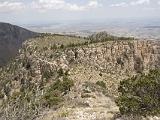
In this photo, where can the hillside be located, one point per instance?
(57, 77)
(11, 39)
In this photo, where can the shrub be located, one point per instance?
(63, 86)
(15, 95)
(47, 74)
(1, 95)
(45, 48)
(51, 56)
(120, 61)
(7, 90)
(54, 94)
(60, 72)
(87, 96)
(52, 97)
(62, 46)
(71, 45)
(140, 95)
(28, 65)
(101, 84)
(53, 47)
(100, 74)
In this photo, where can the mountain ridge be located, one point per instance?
(72, 78)
(11, 39)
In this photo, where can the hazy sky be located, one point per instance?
(48, 11)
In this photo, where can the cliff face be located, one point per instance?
(11, 39)
(110, 57)
(86, 64)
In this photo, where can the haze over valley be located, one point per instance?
(139, 28)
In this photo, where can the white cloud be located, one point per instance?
(49, 4)
(158, 2)
(44, 5)
(140, 2)
(11, 6)
(73, 7)
(123, 4)
(132, 3)
(93, 3)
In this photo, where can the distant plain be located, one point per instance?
(139, 28)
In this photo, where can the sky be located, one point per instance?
(52, 11)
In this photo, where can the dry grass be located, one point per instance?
(51, 40)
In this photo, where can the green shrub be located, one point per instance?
(60, 72)
(1, 95)
(52, 98)
(62, 46)
(28, 65)
(140, 95)
(101, 84)
(54, 94)
(87, 96)
(7, 90)
(47, 74)
(53, 47)
(51, 56)
(15, 95)
(100, 74)
(45, 48)
(63, 86)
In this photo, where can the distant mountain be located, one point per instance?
(11, 39)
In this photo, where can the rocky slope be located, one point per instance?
(11, 39)
(94, 68)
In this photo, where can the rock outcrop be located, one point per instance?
(40, 65)
(110, 57)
